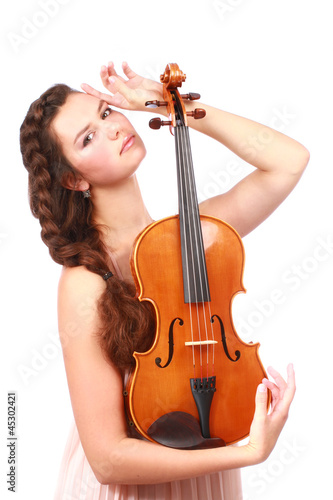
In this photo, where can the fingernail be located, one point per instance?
(262, 388)
(112, 79)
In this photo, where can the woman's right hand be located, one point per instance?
(129, 93)
(267, 426)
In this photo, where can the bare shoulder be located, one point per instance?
(79, 279)
(79, 291)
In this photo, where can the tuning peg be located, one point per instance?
(155, 104)
(192, 96)
(197, 113)
(157, 123)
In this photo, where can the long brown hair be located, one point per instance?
(73, 239)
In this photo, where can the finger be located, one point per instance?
(291, 384)
(275, 393)
(111, 69)
(287, 393)
(113, 72)
(90, 90)
(116, 85)
(261, 401)
(272, 387)
(128, 71)
(279, 380)
(281, 383)
(104, 74)
(96, 93)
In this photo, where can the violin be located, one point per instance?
(195, 387)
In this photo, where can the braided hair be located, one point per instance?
(73, 239)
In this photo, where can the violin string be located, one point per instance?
(190, 210)
(187, 245)
(201, 252)
(205, 277)
(200, 255)
(182, 197)
(198, 242)
(189, 249)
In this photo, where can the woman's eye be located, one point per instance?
(106, 113)
(88, 139)
(90, 136)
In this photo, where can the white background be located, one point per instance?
(267, 60)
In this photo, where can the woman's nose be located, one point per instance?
(112, 130)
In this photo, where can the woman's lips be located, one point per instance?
(127, 143)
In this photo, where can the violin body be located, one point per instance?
(156, 390)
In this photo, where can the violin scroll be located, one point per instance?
(172, 78)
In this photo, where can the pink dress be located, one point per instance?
(78, 482)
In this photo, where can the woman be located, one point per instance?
(82, 156)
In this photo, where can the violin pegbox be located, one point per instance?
(172, 78)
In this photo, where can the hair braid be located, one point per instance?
(71, 236)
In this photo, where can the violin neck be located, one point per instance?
(196, 288)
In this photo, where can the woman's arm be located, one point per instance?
(279, 160)
(96, 390)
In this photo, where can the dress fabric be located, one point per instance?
(78, 482)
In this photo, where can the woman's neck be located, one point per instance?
(122, 212)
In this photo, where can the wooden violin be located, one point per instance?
(196, 385)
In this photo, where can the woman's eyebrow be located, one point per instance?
(100, 105)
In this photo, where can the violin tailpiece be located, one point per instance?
(203, 392)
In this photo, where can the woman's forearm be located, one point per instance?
(259, 145)
(140, 462)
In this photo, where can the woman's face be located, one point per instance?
(100, 143)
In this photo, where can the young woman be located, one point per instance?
(82, 156)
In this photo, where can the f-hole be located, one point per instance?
(171, 344)
(224, 340)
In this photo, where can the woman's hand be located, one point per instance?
(131, 93)
(266, 427)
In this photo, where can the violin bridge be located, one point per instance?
(201, 342)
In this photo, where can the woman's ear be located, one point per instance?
(70, 181)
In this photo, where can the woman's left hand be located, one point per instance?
(266, 427)
(130, 94)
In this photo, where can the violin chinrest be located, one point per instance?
(181, 430)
